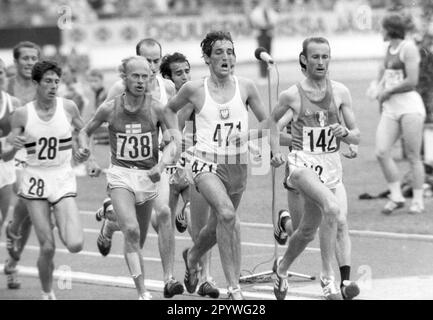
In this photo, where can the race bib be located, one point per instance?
(134, 147)
(392, 77)
(199, 166)
(170, 170)
(319, 140)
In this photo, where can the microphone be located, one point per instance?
(262, 55)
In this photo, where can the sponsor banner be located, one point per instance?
(180, 29)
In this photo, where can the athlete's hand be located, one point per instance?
(353, 152)
(338, 130)
(19, 142)
(238, 138)
(93, 169)
(81, 154)
(155, 172)
(383, 96)
(277, 159)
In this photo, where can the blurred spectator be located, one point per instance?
(71, 89)
(264, 18)
(95, 79)
(96, 82)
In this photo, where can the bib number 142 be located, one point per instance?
(319, 140)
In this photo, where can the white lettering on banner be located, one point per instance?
(114, 32)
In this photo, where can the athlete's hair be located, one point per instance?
(123, 68)
(25, 44)
(150, 42)
(312, 40)
(212, 37)
(395, 25)
(42, 67)
(168, 59)
(96, 73)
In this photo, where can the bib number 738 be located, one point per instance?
(319, 140)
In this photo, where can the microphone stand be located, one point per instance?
(274, 212)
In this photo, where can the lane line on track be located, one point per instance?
(356, 233)
(126, 282)
(247, 244)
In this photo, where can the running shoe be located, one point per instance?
(281, 285)
(12, 243)
(145, 296)
(330, 290)
(191, 276)
(103, 243)
(181, 222)
(391, 206)
(349, 290)
(48, 296)
(235, 294)
(11, 272)
(208, 288)
(416, 208)
(280, 234)
(172, 287)
(100, 213)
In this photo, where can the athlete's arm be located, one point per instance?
(173, 106)
(285, 138)
(349, 133)
(285, 100)
(184, 115)
(101, 115)
(15, 137)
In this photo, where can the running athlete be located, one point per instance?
(8, 104)
(26, 55)
(403, 113)
(44, 127)
(219, 168)
(163, 222)
(289, 220)
(314, 167)
(177, 68)
(134, 118)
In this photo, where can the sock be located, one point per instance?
(395, 189)
(418, 195)
(344, 273)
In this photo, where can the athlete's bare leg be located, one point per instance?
(223, 227)
(69, 224)
(388, 131)
(319, 200)
(412, 127)
(125, 209)
(164, 227)
(40, 215)
(5, 201)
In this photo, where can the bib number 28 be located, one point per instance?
(37, 187)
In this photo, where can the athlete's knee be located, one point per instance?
(132, 233)
(163, 214)
(331, 210)
(227, 216)
(76, 246)
(306, 233)
(414, 157)
(382, 153)
(47, 249)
